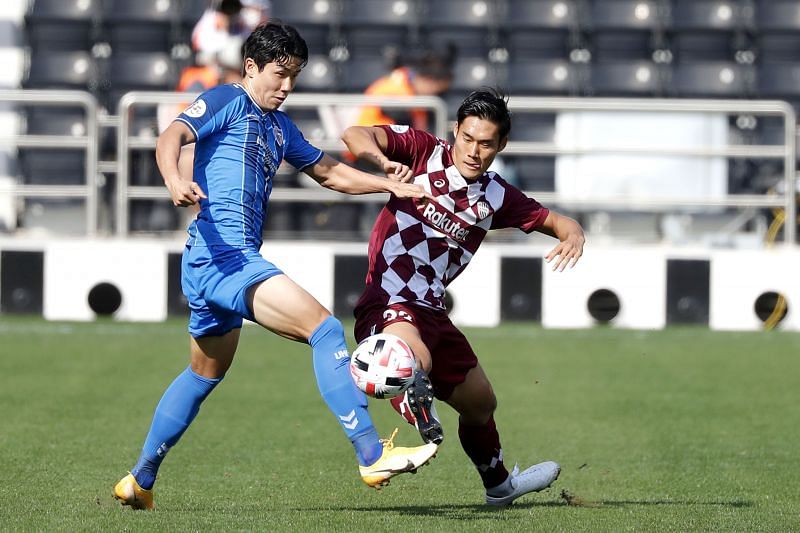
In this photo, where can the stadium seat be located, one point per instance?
(316, 20)
(472, 73)
(779, 80)
(318, 75)
(153, 71)
(54, 120)
(643, 15)
(386, 42)
(191, 11)
(538, 44)
(461, 13)
(777, 15)
(141, 26)
(61, 216)
(541, 14)
(307, 12)
(144, 71)
(541, 29)
(625, 29)
(373, 13)
(51, 166)
(533, 173)
(62, 25)
(472, 25)
(154, 216)
(329, 220)
(543, 77)
(357, 73)
(280, 223)
(777, 25)
(700, 15)
(711, 79)
(625, 78)
(61, 70)
(532, 127)
(704, 30)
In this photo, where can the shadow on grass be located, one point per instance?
(480, 510)
(625, 503)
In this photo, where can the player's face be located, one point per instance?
(477, 143)
(270, 86)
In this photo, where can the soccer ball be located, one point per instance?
(383, 366)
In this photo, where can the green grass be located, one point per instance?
(676, 430)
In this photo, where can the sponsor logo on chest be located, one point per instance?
(445, 222)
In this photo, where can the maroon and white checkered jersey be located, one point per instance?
(418, 246)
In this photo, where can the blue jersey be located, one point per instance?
(239, 148)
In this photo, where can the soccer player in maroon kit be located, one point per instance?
(418, 246)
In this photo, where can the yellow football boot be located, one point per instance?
(395, 461)
(128, 492)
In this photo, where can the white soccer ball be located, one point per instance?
(383, 366)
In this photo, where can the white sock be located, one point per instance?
(503, 489)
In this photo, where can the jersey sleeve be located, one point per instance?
(210, 112)
(518, 211)
(405, 144)
(299, 152)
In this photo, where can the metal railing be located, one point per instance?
(130, 102)
(127, 142)
(786, 152)
(88, 142)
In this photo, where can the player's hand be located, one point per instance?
(410, 190)
(567, 252)
(184, 193)
(398, 171)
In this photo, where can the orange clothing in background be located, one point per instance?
(198, 79)
(396, 83)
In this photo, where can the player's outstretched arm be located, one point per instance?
(369, 144)
(570, 233)
(339, 177)
(168, 150)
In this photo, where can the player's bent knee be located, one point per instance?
(329, 324)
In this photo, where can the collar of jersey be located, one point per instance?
(261, 112)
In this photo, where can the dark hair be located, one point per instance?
(434, 63)
(227, 7)
(488, 104)
(275, 42)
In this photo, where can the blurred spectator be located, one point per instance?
(428, 73)
(225, 18)
(209, 70)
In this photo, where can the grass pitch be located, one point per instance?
(676, 430)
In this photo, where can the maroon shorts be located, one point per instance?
(451, 355)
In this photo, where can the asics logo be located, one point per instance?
(439, 184)
(447, 225)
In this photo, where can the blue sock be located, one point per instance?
(176, 410)
(332, 368)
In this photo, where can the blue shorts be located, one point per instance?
(215, 280)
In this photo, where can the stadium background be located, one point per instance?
(713, 256)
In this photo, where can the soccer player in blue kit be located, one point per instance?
(241, 139)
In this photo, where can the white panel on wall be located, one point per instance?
(739, 277)
(138, 270)
(309, 265)
(476, 292)
(637, 277)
